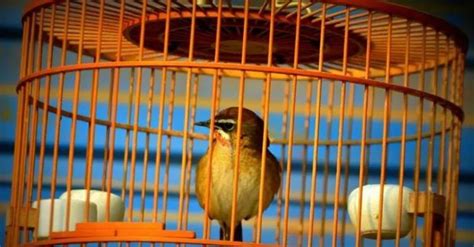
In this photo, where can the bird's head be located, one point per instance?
(225, 125)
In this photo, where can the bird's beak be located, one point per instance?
(203, 123)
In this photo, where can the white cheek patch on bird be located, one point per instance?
(224, 135)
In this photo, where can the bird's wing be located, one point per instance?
(273, 161)
(273, 167)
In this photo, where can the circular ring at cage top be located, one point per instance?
(231, 42)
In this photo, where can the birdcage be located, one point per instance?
(361, 96)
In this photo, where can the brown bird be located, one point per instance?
(222, 169)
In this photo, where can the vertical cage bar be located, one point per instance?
(454, 69)
(151, 90)
(347, 160)
(235, 181)
(401, 176)
(159, 138)
(218, 93)
(307, 114)
(340, 138)
(93, 111)
(440, 234)
(442, 146)
(24, 46)
(429, 217)
(215, 94)
(262, 100)
(12, 230)
(57, 124)
(44, 119)
(34, 125)
(195, 94)
(75, 103)
(329, 125)
(131, 86)
(459, 90)
(317, 120)
(444, 125)
(365, 109)
(292, 124)
(17, 168)
(12, 236)
(385, 134)
(447, 226)
(25, 165)
(284, 133)
(347, 154)
(449, 197)
(369, 131)
(186, 117)
(460, 76)
(266, 106)
(164, 210)
(451, 154)
(113, 113)
(338, 162)
(107, 132)
(24, 152)
(451, 234)
(421, 86)
(29, 69)
(136, 113)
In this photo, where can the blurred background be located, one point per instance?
(457, 12)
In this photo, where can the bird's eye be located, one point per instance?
(227, 126)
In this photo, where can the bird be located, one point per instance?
(225, 147)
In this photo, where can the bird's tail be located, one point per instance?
(224, 233)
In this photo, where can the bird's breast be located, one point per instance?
(223, 168)
(222, 177)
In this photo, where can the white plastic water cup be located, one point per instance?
(117, 206)
(370, 210)
(77, 215)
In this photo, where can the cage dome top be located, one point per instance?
(440, 38)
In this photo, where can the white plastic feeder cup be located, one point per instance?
(77, 215)
(117, 206)
(370, 210)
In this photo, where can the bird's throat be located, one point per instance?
(222, 138)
